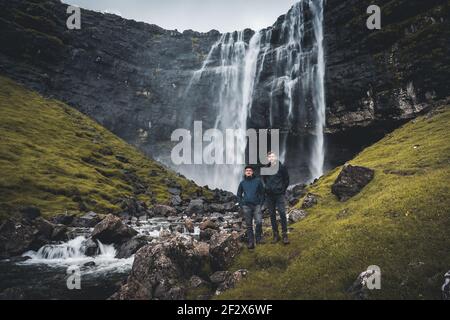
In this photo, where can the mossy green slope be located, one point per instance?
(400, 221)
(57, 159)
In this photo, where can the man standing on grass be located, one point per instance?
(251, 197)
(275, 186)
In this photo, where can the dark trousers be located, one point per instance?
(253, 212)
(277, 202)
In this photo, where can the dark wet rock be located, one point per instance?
(112, 230)
(130, 247)
(89, 220)
(90, 247)
(224, 247)
(16, 238)
(19, 259)
(13, 294)
(296, 215)
(161, 210)
(30, 213)
(89, 264)
(60, 233)
(309, 201)
(351, 180)
(205, 235)
(64, 219)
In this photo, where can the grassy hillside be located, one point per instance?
(57, 159)
(400, 222)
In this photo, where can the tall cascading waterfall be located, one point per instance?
(278, 72)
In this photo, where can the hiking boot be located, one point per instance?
(276, 238)
(250, 246)
(285, 239)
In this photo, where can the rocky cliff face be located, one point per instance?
(133, 77)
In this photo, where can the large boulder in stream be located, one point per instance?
(17, 237)
(351, 180)
(112, 230)
(160, 270)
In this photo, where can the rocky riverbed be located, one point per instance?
(174, 251)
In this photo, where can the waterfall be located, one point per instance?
(285, 65)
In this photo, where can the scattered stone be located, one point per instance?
(195, 206)
(162, 210)
(208, 224)
(64, 219)
(296, 215)
(350, 181)
(89, 220)
(112, 230)
(205, 235)
(309, 201)
(189, 225)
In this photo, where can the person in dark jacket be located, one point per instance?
(251, 197)
(275, 189)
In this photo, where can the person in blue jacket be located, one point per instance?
(251, 197)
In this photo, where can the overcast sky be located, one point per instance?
(198, 15)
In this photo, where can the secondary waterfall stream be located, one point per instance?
(281, 68)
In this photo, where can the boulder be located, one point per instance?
(224, 247)
(208, 224)
(89, 220)
(64, 219)
(224, 280)
(309, 201)
(15, 238)
(196, 206)
(162, 210)
(350, 181)
(112, 230)
(296, 215)
(60, 233)
(90, 247)
(189, 225)
(205, 235)
(160, 270)
(130, 247)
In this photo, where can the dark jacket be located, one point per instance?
(277, 183)
(251, 191)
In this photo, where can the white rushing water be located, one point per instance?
(297, 71)
(72, 253)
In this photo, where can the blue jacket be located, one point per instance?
(251, 191)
